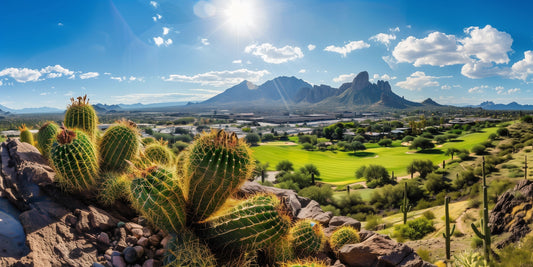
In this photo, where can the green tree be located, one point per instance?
(284, 166)
(375, 175)
(320, 194)
(451, 151)
(422, 166)
(356, 145)
(385, 142)
(422, 143)
(435, 183)
(502, 132)
(309, 169)
(252, 138)
(478, 149)
(268, 137)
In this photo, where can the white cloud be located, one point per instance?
(120, 79)
(477, 52)
(69, 93)
(21, 75)
(384, 77)
(154, 4)
(445, 87)
(89, 75)
(501, 90)
(159, 41)
(437, 49)
(162, 97)
(59, 24)
(237, 61)
(107, 73)
(349, 47)
(219, 78)
(417, 81)
(56, 71)
(344, 78)
(133, 78)
(205, 41)
(487, 44)
(157, 17)
(397, 29)
(390, 61)
(383, 38)
(165, 30)
(311, 47)
(44, 93)
(478, 89)
(302, 71)
(272, 54)
(523, 68)
(1, 83)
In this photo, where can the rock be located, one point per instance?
(101, 219)
(96, 264)
(137, 232)
(160, 252)
(154, 240)
(338, 221)
(338, 263)
(151, 263)
(131, 240)
(379, 250)
(147, 232)
(118, 261)
(165, 241)
(71, 220)
(130, 226)
(293, 202)
(139, 250)
(130, 255)
(83, 224)
(143, 241)
(313, 211)
(103, 238)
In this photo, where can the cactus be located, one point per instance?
(342, 236)
(282, 251)
(217, 164)
(119, 144)
(74, 158)
(447, 234)
(157, 196)
(305, 263)
(81, 115)
(185, 249)
(148, 140)
(525, 167)
(307, 237)
(113, 186)
(158, 152)
(405, 207)
(46, 137)
(25, 135)
(253, 224)
(485, 230)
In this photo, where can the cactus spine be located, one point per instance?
(405, 207)
(217, 165)
(119, 144)
(342, 236)
(485, 231)
(187, 250)
(113, 186)
(74, 158)
(46, 137)
(158, 152)
(81, 115)
(25, 135)
(447, 234)
(253, 224)
(307, 237)
(157, 196)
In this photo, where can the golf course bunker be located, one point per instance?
(12, 237)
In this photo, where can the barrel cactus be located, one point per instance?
(156, 194)
(307, 237)
(158, 152)
(217, 164)
(119, 144)
(282, 251)
(25, 135)
(74, 158)
(45, 138)
(253, 224)
(113, 186)
(81, 115)
(185, 249)
(342, 236)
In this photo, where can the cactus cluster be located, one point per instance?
(25, 135)
(46, 137)
(188, 250)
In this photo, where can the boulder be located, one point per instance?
(338, 221)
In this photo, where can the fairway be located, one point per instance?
(338, 167)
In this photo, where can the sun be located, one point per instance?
(240, 15)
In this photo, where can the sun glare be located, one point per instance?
(240, 15)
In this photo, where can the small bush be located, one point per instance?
(428, 215)
(476, 242)
(414, 229)
(425, 254)
(372, 221)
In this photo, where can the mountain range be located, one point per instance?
(296, 92)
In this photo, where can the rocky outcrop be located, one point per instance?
(513, 213)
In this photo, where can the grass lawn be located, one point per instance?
(338, 167)
(365, 194)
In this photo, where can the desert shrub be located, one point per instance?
(319, 194)
(436, 183)
(298, 178)
(288, 185)
(476, 242)
(427, 135)
(391, 196)
(284, 166)
(385, 142)
(375, 175)
(440, 139)
(517, 255)
(428, 215)
(333, 209)
(372, 221)
(357, 187)
(414, 229)
(308, 146)
(478, 149)
(407, 138)
(465, 178)
(422, 143)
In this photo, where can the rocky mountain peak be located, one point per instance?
(360, 81)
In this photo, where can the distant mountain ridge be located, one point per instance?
(489, 105)
(291, 90)
(31, 110)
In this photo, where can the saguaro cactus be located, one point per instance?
(25, 135)
(447, 234)
(45, 138)
(484, 234)
(525, 167)
(74, 158)
(253, 224)
(157, 195)
(405, 207)
(119, 144)
(216, 166)
(81, 115)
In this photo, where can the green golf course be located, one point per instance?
(338, 167)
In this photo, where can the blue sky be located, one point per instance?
(457, 52)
